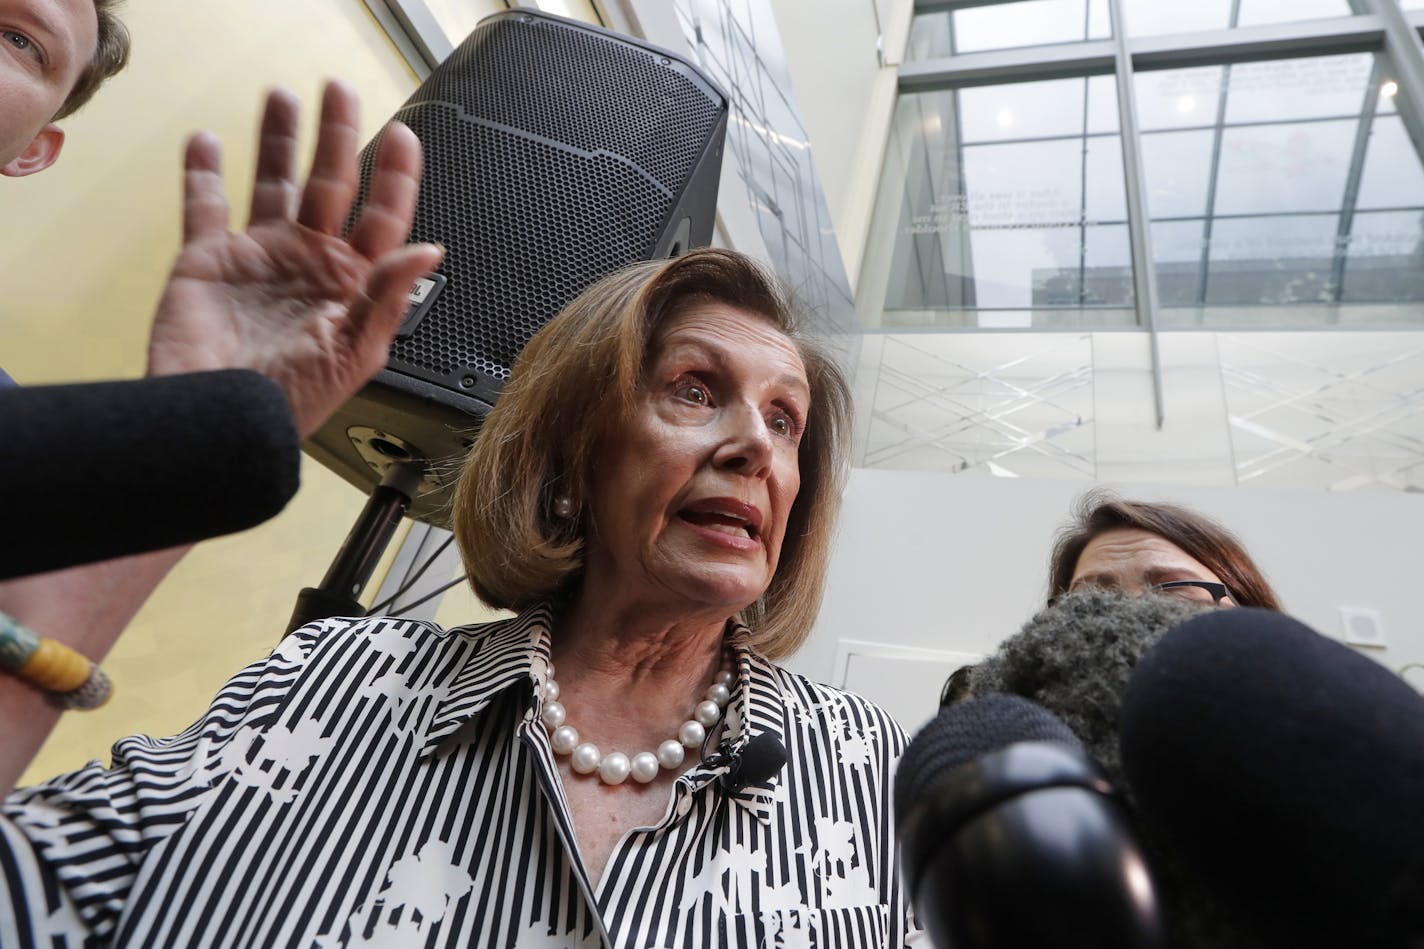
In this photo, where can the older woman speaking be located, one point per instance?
(620, 764)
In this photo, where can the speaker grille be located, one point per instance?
(567, 78)
(519, 269)
(554, 154)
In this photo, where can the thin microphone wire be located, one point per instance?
(432, 594)
(415, 578)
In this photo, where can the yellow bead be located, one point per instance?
(56, 667)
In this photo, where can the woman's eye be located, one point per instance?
(786, 425)
(18, 40)
(693, 392)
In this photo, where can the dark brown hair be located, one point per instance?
(1206, 541)
(111, 54)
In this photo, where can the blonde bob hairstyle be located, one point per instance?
(576, 381)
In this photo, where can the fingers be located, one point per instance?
(331, 187)
(204, 203)
(390, 204)
(377, 313)
(274, 190)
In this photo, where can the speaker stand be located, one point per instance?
(356, 560)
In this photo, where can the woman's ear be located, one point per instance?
(38, 155)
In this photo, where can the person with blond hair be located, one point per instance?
(622, 762)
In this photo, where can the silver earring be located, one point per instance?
(564, 506)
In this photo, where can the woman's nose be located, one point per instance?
(746, 443)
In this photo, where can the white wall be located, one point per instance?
(846, 96)
(959, 562)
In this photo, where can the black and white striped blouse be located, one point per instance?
(384, 782)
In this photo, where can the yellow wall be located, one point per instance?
(85, 247)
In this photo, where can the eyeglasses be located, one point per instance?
(1202, 592)
(1205, 592)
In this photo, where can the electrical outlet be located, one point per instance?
(1363, 627)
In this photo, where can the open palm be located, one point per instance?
(290, 297)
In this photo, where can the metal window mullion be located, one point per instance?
(1144, 272)
(1345, 225)
(414, 31)
(1209, 218)
(1406, 52)
(968, 284)
(1083, 199)
(1362, 32)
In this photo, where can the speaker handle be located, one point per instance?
(361, 550)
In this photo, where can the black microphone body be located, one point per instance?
(1286, 772)
(1011, 837)
(763, 757)
(100, 470)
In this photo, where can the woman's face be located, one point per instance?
(689, 497)
(1134, 561)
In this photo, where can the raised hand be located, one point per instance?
(290, 297)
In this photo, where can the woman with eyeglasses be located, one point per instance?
(1140, 547)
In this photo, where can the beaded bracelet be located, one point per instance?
(72, 681)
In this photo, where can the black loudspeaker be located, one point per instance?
(555, 153)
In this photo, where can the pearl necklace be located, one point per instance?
(615, 767)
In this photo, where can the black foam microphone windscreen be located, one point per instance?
(1287, 771)
(762, 758)
(1075, 658)
(100, 470)
(1010, 836)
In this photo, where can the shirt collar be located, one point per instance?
(501, 655)
(497, 657)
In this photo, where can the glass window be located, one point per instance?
(1289, 182)
(1029, 23)
(1013, 200)
(458, 17)
(1007, 26)
(1178, 248)
(1154, 17)
(1392, 177)
(1279, 260)
(1177, 166)
(929, 38)
(1298, 88)
(1286, 167)
(1385, 258)
(1254, 12)
(1030, 110)
(1179, 98)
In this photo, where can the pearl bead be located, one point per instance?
(645, 766)
(614, 768)
(564, 739)
(549, 669)
(707, 713)
(585, 758)
(670, 753)
(691, 734)
(553, 715)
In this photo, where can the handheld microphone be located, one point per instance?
(1286, 771)
(102, 470)
(1011, 836)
